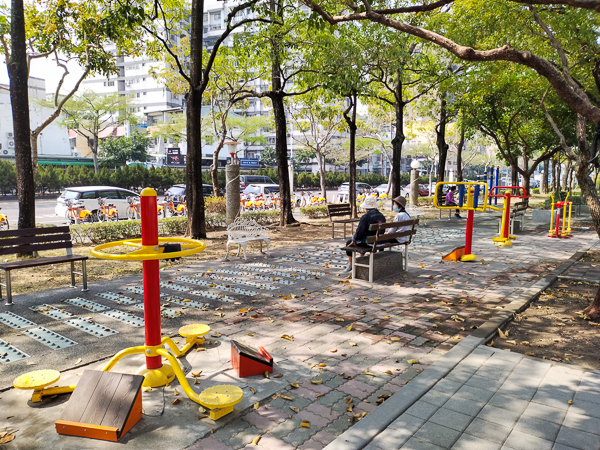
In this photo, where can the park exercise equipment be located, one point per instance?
(150, 249)
(505, 238)
(468, 198)
(555, 230)
(4, 225)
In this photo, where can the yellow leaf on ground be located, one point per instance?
(289, 338)
(353, 344)
(501, 334)
(294, 385)
(256, 439)
(296, 410)
(256, 405)
(349, 328)
(316, 381)
(413, 361)
(78, 361)
(243, 310)
(266, 374)
(305, 425)
(174, 402)
(287, 397)
(279, 375)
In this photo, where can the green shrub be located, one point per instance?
(215, 205)
(99, 233)
(536, 190)
(314, 212)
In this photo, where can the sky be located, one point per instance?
(46, 69)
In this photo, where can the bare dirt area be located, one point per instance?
(554, 328)
(592, 257)
(54, 276)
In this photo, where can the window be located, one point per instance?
(88, 195)
(215, 17)
(137, 95)
(205, 17)
(110, 195)
(144, 93)
(109, 83)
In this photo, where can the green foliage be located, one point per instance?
(215, 205)
(536, 190)
(268, 156)
(98, 233)
(118, 151)
(314, 212)
(8, 177)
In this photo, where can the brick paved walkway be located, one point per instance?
(495, 399)
(363, 342)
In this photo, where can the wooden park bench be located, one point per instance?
(341, 210)
(35, 240)
(381, 241)
(243, 230)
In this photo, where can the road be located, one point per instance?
(44, 210)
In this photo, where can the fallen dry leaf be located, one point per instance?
(413, 361)
(294, 385)
(279, 375)
(256, 439)
(296, 410)
(353, 344)
(316, 381)
(256, 405)
(176, 401)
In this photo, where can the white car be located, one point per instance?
(89, 195)
(381, 189)
(261, 189)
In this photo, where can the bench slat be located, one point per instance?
(338, 213)
(384, 226)
(33, 231)
(345, 220)
(391, 236)
(34, 239)
(35, 248)
(41, 262)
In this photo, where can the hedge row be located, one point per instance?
(98, 233)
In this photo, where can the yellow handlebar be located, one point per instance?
(468, 203)
(149, 252)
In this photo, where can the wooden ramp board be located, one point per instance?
(104, 405)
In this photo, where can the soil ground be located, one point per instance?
(553, 326)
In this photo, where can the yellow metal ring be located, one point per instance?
(149, 252)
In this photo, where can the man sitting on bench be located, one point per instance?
(362, 230)
(451, 202)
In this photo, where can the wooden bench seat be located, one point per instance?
(381, 241)
(34, 240)
(343, 209)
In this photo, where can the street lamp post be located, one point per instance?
(414, 182)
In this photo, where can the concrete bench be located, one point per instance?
(382, 264)
(244, 230)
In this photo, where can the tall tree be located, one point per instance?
(319, 126)
(193, 71)
(90, 113)
(119, 151)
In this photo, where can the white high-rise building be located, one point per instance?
(134, 79)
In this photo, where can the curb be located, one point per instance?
(360, 434)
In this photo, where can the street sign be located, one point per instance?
(249, 163)
(174, 157)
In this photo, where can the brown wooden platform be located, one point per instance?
(104, 405)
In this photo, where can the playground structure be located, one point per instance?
(555, 229)
(468, 198)
(149, 249)
(505, 238)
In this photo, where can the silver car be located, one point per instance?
(89, 195)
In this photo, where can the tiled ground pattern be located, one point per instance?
(495, 399)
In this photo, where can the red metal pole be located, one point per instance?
(507, 215)
(469, 232)
(151, 276)
(557, 223)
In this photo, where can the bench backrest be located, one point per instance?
(343, 209)
(246, 227)
(521, 206)
(35, 240)
(381, 238)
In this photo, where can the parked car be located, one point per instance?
(423, 191)
(381, 189)
(262, 189)
(245, 180)
(89, 195)
(179, 190)
(360, 187)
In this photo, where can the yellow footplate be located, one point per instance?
(194, 332)
(37, 379)
(220, 399)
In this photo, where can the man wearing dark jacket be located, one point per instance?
(359, 239)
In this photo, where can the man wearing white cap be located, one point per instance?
(362, 230)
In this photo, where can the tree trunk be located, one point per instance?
(214, 168)
(553, 174)
(564, 182)
(514, 174)
(196, 228)
(321, 160)
(570, 180)
(95, 154)
(351, 121)
(459, 150)
(527, 183)
(544, 183)
(441, 140)
(281, 152)
(398, 140)
(589, 192)
(19, 101)
(558, 171)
